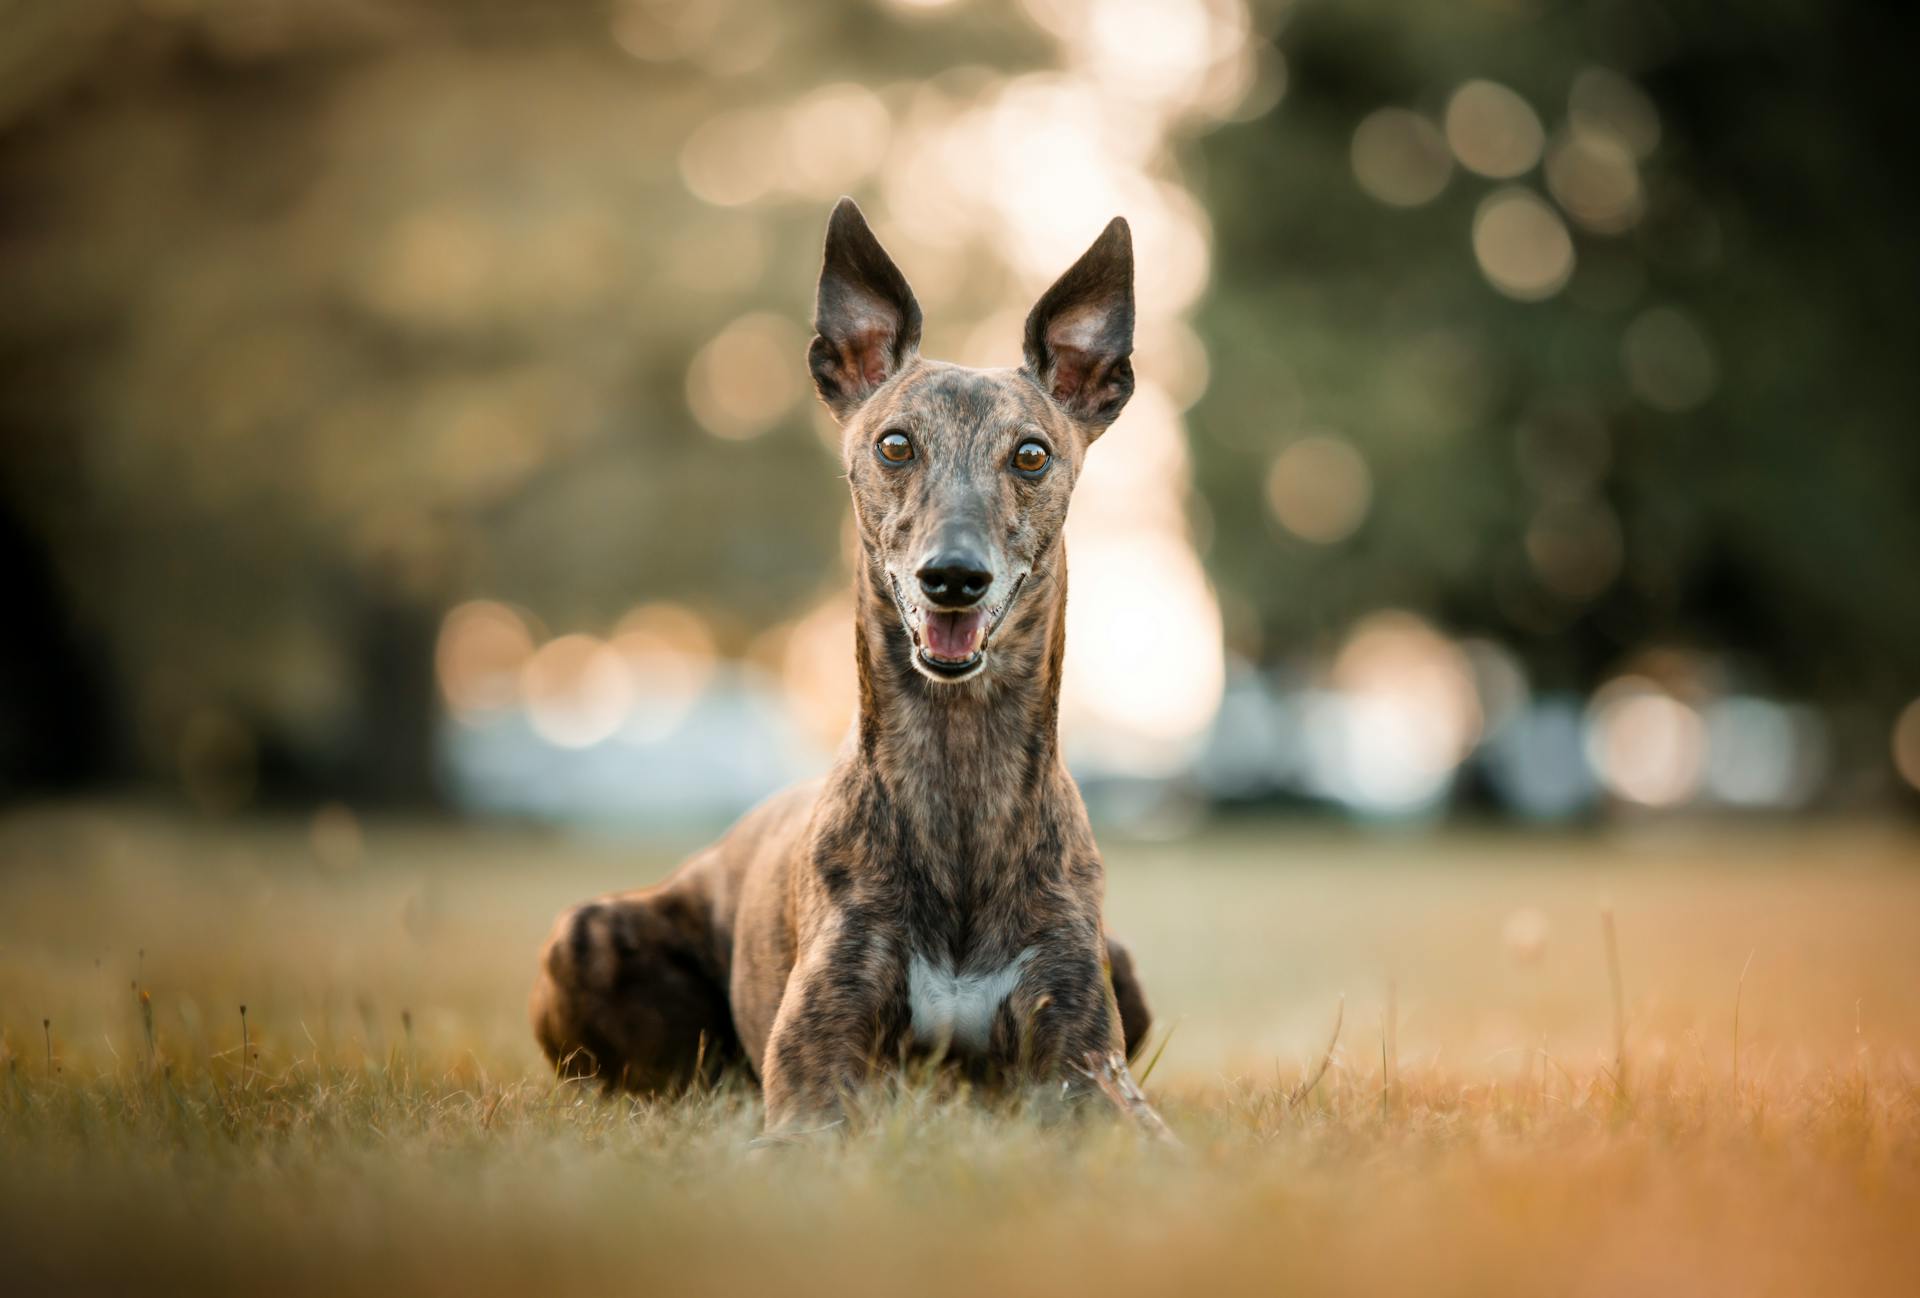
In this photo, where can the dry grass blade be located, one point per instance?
(1619, 1071)
(1389, 1045)
(1739, 990)
(1158, 1050)
(1305, 1088)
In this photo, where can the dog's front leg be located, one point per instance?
(839, 1008)
(1061, 1011)
(1064, 1028)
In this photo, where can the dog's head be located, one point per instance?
(961, 476)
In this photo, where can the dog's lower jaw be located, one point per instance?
(948, 673)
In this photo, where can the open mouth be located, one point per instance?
(952, 643)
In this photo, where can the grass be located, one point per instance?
(1713, 1091)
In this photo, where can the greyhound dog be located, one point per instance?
(939, 891)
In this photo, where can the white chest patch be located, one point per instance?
(955, 1010)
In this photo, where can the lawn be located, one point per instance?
(1488, 1121)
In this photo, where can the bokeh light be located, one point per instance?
(733, 158)
(483, 646)
(669, 653)
(1147, 48)
(835, 137)
(726, 37)
(1603, 100)
(578, 691)
(747, 377)
(1647, 746)
(817, 668)
(1401, 712)
(1761, 753)
(1668, 361)
(1592, 174)
(1319, 488)
(1400, 157)
(1493, 131)
(1144, 670)
(1500, 683)
(1906, 744)
(1537, 761)
(433, 267)
(1522, 246)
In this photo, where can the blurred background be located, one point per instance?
(402, 404)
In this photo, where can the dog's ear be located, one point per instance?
(867, 320)
(1080, 332)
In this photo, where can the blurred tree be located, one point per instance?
(57, 726)
(322, 317)
(1685, 418)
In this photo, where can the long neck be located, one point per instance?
(981, 749)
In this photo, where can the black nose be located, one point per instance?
(955, 580)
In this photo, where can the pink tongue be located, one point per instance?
(955, 637)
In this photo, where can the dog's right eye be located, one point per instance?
(894, 448)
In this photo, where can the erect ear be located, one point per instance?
(1080, 332)
(867, 321)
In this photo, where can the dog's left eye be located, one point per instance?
(1031, 457)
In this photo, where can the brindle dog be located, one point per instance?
(940, 890)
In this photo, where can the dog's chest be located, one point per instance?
(954, 1009)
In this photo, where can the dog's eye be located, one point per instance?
(894, 448)
(1031, 457)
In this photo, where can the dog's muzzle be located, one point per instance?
(951, 644)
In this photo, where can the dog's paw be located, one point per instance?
(770, 1144)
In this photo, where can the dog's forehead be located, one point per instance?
(944, 398)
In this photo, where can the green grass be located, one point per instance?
(388, 1127)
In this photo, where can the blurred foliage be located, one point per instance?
(1775, 520)
(322, 316)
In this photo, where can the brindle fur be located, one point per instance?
(948, 826)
